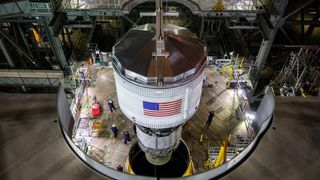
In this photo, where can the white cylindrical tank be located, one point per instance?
(159, 93)
(183, 102)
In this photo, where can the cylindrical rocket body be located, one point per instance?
(136, 102)
(159, 92)
(156, 133)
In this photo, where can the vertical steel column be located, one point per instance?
(21, 50)
(302, 26)
(63, 36)
(56, 45)
(159, 20)
(6, 54)
(266, 44)
(24, 40)
(202, 26)
(120, 19)
(69, 38)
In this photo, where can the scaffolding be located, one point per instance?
(300, 75)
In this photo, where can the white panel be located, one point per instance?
(160, 143)
(131, 97)
(146, 140)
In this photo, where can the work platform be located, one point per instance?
(229, 5)
(33, 148)
(113, 152)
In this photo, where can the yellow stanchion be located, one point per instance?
(89, 73)
(241, 63)
(201, 138)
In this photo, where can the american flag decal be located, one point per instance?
(162, 109)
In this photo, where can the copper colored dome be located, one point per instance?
(186, 52)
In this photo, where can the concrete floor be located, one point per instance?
(290, 148)
(31, 145)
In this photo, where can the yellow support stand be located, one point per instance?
(128, 168)
(219, 6)
(222, 156)
(190, 170)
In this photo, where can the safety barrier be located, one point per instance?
(261, 124)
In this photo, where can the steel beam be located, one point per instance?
(302, 26)
(202, 27)
(72, 14)
(15, 9)
(21, 21)
(69, 38)
(92, 30)
(56, 45)
(191, 5)
(287, 36)
(306, 22)
(30, 78)
(26, 44)
(253, 34)
(29, 82)
(246, 27)
(302, 46)
(188, 24)
(314, 19)
(150, 14)
(246, 14)
(78, 26)
(19, 48)
(6, 53)
(17, 73)
(128, 19)
(301, 6)
(266, 44)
